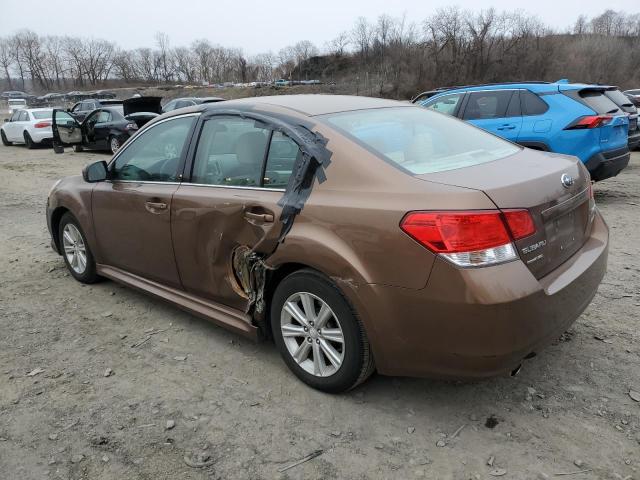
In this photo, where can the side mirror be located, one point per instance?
(95, 172)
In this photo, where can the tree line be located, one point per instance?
(391, 56)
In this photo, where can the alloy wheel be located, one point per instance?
(115, 145)
(74, 248)
(312, 334)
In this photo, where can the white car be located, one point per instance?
(16, 104)
(30, 126)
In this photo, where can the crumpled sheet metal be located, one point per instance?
(250, 264)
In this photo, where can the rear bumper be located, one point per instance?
(608, 164)
(474, 323)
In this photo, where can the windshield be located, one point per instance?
(39, 115)
(419, 140)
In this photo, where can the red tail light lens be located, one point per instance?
(520, 223)
(590, 121)
(470, 238)
(42, 125)
(452, 232)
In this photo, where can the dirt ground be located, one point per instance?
(188, 400)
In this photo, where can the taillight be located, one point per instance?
(520, 223)
(131, 126)
(42, 125)
(590, 121)
(470, 238)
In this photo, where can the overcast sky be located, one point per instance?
(255, 26)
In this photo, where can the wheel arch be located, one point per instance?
(56, 217)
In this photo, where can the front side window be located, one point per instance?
(487, 105)
(445, 104)
(15, 116)
(154, 156)
(420, 141)
(230, 152)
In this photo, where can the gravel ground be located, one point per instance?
(197, 402)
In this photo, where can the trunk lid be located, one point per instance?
(562, 211)
(142, 104)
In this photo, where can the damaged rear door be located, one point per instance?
(226, 211)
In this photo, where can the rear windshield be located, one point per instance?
(42, 114)
(17, 102)
(618, 98)
(419, 140)
(598, 102)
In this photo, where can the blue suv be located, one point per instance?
(562, 117)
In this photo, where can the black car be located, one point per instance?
(105, 128)
(84, 107)
(627, 106)
(188, 102)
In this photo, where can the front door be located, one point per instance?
(230, 202)
(66, 130)
(132, 211)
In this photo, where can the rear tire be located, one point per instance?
(5, 142)
(339, 344)
(77, 148)
(75, 250)
(28, 141)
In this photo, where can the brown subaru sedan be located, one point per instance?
(360, 234)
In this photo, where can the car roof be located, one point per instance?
(310, 104)
(38, 109)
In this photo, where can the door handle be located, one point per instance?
(507, 127)
(259, 217)
(153, 207)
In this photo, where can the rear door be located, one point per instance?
(229, 203)
(497, 111)
(132, 210)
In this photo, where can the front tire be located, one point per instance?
(5, 142)
(114, 145)
(318, 334)
(75, 250)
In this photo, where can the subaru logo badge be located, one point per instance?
(567, 180)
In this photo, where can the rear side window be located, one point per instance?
(445, 104)
(487, 105)
(24, 116)
(230, 152)
(283, 153)
(597, 101)
(532, 104)
(419, 141)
